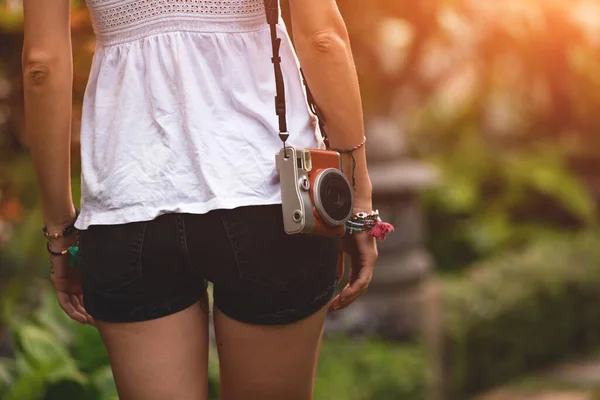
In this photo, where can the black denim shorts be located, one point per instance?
(146, 270)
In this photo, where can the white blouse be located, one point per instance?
(178, 114)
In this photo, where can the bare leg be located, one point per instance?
(268, 362)
(162, 359)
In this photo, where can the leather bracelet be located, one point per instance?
(56, 253)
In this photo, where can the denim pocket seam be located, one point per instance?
(139, 268)
(274, 284)
(271, 284)
(135, 261)
(182, 241)
(232, 243)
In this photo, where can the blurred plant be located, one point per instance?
(518, 312)
(493, 198)
(371, 369)
(55, 358)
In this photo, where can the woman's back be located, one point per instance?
(178, 115)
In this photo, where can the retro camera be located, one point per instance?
(316, 196)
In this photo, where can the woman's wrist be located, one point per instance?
(362, 205)
(363, 193)
(56, 222)
(61, 237)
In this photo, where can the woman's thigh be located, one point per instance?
(268, 362)
(161, 359)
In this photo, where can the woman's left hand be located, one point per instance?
(65, 279)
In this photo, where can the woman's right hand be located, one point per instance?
(362, 249)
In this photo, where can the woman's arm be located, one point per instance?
(48, 83)
(47, 79)
(323, 47)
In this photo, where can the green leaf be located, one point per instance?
(64, 372)
(371, 369)
(488, 231)
(68, 389)
(40, 347)
(88, 348)
(23, 365)
(7, 373)
(546, 173)
(102, 380)
(29, 386)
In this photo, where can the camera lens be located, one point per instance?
(335, 195)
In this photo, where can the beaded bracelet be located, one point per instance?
(370, 222)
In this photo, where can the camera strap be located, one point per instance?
(272, 12)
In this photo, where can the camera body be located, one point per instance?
(317, 197)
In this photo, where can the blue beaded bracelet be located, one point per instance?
(372, 223)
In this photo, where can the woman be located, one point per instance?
(179, 187)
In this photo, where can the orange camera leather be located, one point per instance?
(322, 160)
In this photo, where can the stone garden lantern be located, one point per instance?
(392, 306)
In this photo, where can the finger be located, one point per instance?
(349, 299)
(340, 265)
(64, 301)
(335, 303)
(89, 317)
(357, 287)
(342, 298)
(349, 295)
(77, 302)
(356, 266)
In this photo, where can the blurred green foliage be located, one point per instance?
(492, 199)
(371, 369)
(518, 312)
(55, 358)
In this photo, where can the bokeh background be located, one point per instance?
(483, 119)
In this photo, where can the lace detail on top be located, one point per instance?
(112, 18)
